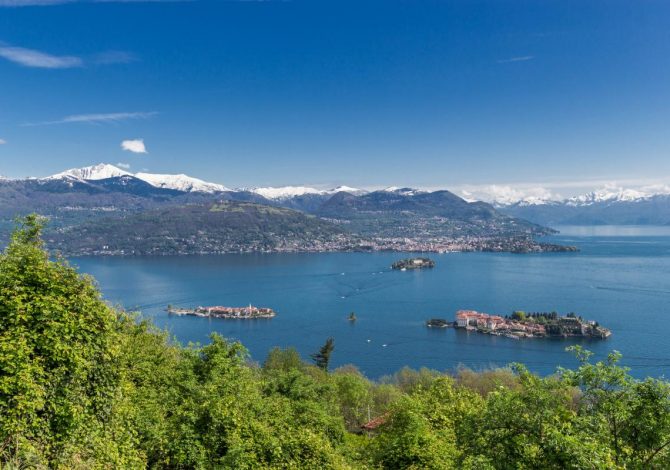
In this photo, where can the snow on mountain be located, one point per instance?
(607, 195)
(103, 171)
(534, 201)
(287, 192)
(348, 189)
(403, 191)
(180, 182)
(604, 195)
(91, 173)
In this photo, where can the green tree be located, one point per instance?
(322, 357)
(632, 417)
(519, 315)
(354, 396)
(59, 355)
(283, 360)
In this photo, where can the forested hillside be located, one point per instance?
(83, 385)
(223, 227)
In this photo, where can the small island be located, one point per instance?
(530, 325)
(413, 263)
(239, 313)
(438, 323)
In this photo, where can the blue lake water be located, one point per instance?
(621, 278)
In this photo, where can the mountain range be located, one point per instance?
(118, 205)
(607, 206)
(78, 195)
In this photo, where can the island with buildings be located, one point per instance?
(530, 325)
(413, 263)
(239, 313)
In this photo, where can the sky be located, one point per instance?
(510, 97)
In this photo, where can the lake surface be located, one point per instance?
(621, 278)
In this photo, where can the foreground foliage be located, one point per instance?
(83, 385)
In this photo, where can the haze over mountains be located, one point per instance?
(607, 206)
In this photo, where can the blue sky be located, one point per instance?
(554, 94)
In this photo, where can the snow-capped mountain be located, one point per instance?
(535, 201)
(403, 191)
(288, 192)
(185, 183)
(180, 182)
(103, 171)
(608, 195)
(606, 206)
(599, 196)
(348, 189)
(90, 173)
(285, 192)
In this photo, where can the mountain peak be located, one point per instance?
(403, 191)
(100, 171)
(348, 189)
(607, 194)
(103, 171)
(180, 182)
(285, 192)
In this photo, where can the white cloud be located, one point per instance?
(134, 145)
(523, 58)
(3, 141)
(125, 166)
(33, 58)
(506, 194)
(97, 118)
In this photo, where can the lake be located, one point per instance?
(621, 278)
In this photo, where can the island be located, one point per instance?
(530, 325)
(238, 313)
(438, 323)
(413, 263)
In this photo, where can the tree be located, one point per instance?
(519, 315)
(282, 360)
(59, 353)
(322, 357)
(631, 416)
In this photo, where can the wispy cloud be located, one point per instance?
(134, 146)
(97, 118)
(29, 3)
(33, 58)
(3, 141)
(522, 58)
(125, 166)
(39, 59)
(41, 3)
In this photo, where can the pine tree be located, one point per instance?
(322, 357)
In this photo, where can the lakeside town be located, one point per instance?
(524, 325)
(240, 313)
(467, 244)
